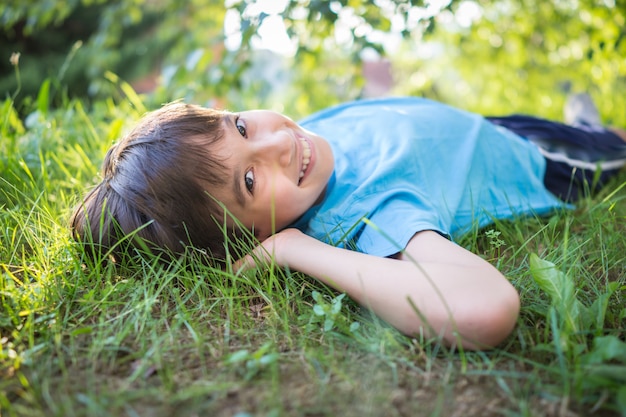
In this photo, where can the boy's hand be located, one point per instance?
(274, 247)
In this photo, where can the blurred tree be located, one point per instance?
(525, 56)
(74, 43)
(493, 56)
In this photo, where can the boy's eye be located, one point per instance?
(241, 127)
(249, 180)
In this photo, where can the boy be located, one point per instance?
(364, 197)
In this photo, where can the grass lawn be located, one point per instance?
(85, 339)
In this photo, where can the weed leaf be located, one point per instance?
(605, 349)
(593, 317)
(561, 291)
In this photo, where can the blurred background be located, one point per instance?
(298, 56)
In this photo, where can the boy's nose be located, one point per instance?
(278, 147)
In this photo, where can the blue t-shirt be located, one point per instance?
(403, 165)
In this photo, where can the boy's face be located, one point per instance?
(278, 170)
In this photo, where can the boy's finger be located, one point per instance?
(243, 264)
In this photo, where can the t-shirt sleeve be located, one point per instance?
(389, 229)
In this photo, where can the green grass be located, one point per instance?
(85, 339)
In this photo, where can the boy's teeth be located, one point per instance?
(306, 156)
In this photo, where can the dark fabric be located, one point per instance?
(567, 148)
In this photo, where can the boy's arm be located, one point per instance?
(459, 296)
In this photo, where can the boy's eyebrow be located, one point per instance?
(237, 176)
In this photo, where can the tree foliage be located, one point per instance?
(485, 55)
(527, 55)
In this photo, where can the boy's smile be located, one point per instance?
(277, 170)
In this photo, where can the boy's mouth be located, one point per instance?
(306, 158)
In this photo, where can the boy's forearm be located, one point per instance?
(439, 290)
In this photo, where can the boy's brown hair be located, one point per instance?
(156, 187)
